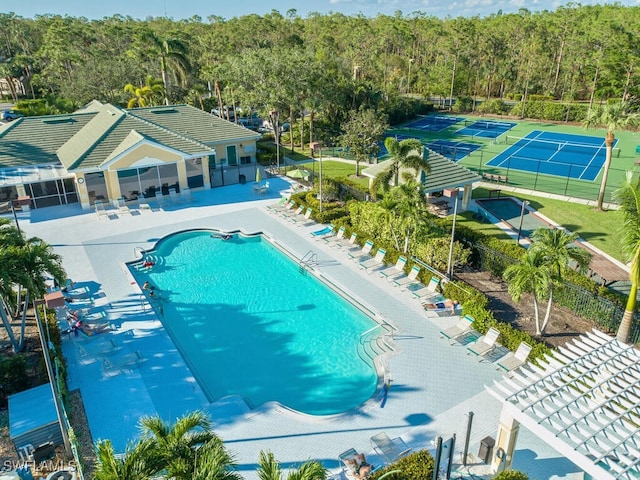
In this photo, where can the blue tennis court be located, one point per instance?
(560, 154)
(383, 150)
(433, 123)
(486, 129)
(453, 150)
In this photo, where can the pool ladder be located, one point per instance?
(309, 260)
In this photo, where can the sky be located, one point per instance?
(181, 9)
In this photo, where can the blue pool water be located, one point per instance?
(249, 323)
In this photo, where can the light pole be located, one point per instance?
(275, 124)
(453, 235)
(15, 216)
(524, 205)
(318, 148)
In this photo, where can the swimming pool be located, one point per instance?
(249, 322)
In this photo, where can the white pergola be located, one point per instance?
(584, 401)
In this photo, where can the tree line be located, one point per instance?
(325, 64)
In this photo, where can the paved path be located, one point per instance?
(434, 385)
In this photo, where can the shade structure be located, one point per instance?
(258, 175)
(298, 173)
(583, 400)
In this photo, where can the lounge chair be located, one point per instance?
(515, 360)
(390, 272)
(89, 350)
(355, 465)
(365, 252)
(282, 208)
(283, 201)
(350, 242)
(461, 328)
(335, 238)
(407, 280)
(289, 215)
(122, 206)
(173, 195)
(261, 187)
(442, 307)
(428, 292)
(391, 450)
(302, 220)
(100, 210)
(323, 232)
(375, 261)
(486, 344)
(117, 365)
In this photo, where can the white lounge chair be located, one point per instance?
(516, 359)
(122, 206)
(335, 238)
(173, 195)
(343, 242)
(428, 292)
(407, 280)
(283, 201)
(391, 450)
(116, 365)
(375, 261)
(289, 215)
(485, 344)
(355, 465)
(302, 220)
(260, 187)
(463, 327)
(100, 210)
(390, 272)
(365, 252)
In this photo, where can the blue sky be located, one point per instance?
(177, 9)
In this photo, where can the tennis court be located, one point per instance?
(453, 150)
(486, 129)
(433, 123)
(560, 154)
(383, 150)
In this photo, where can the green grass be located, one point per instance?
(600, 229)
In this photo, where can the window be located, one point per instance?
(246, 160)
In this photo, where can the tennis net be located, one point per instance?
(557, 146)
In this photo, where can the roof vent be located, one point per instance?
(55, 120)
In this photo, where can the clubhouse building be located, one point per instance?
(104, 152)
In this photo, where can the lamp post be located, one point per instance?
(318, 148)
(275, 123)
(15, 216)
(453, 235)
(524, 205)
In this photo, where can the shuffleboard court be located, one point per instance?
(433, 123)
(452, 149)
(486, 129)
(551, 153)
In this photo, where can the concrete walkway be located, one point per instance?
(434, 385)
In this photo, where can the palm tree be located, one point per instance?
(270, 469)
(24, 264)
(213, 462)
(628, 196)
(136, 464)
(613, 116)
(176, 445)
(405, 153)
(558, 250)
(145, 95)
(172, 54)
(529, 275)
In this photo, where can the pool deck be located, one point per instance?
(434, 385)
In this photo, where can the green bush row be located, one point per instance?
(416, 466)
(548, 110)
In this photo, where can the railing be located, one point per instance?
(309, 259)
(139, 251)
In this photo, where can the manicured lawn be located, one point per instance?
(601, 229)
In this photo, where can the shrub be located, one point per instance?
(493, 107)
(13, 376)
(417, 466)
(511, 475)
(463, 104)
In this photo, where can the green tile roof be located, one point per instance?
(92, 136)
(444, 173)
(35, 140)
(195, 123)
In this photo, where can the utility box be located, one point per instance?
(486, 449)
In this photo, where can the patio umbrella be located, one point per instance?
(298, 173)
(258, 175)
